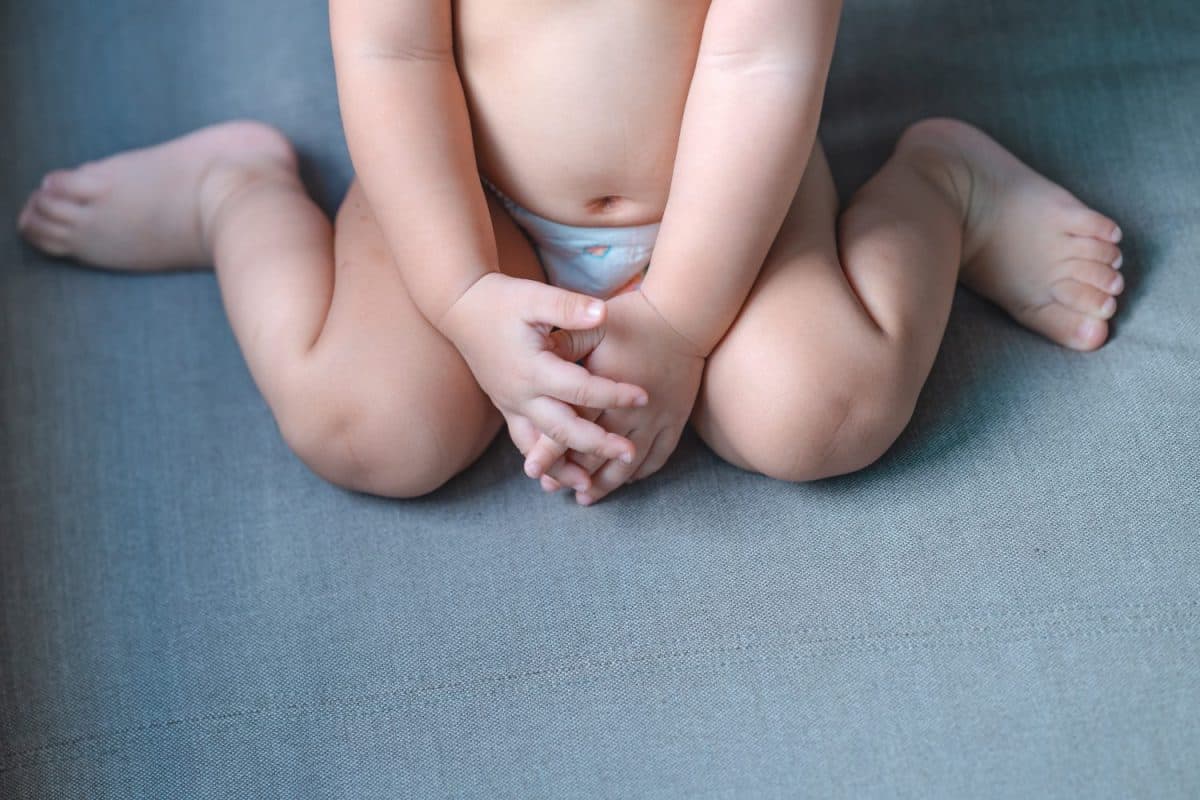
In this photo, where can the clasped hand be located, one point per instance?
(503, 327)
(638, 347)
(591, 427)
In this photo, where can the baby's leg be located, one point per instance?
(365, 391)
(821, 370)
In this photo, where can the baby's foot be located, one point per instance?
(1029, 245)
(147, 209)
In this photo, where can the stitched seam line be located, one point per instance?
(878, 641)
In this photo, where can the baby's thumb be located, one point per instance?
(563, 309)
(576, 345)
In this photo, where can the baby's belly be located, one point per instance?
(576, 106)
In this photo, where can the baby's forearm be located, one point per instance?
(748, 130)
(410, 141)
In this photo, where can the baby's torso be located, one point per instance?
(576, 104)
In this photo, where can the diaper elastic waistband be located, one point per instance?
(546, 230)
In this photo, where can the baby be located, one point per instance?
(501, 144)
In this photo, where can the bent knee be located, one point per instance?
(821, 429)
(845, 437)
(377, 452)
(833, 435)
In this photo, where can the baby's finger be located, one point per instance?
(522, 432)
(588, 462)
(560, 422)
(542, 455)
(611, 477)
(572, 345)
(592, 463)
(657, 454)
(573, 384)
(545, 461)
(550, 305)
(568, 473)
(564, 473)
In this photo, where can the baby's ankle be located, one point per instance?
(229, 179)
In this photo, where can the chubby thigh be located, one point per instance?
(406, 411)
(782, 391)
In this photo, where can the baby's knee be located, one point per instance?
(374, 450)
(830, 428)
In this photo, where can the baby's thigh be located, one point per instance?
(801, 387)
(389, 406)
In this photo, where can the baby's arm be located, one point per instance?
(409, 134)
(748, 129)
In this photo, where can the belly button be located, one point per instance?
(606, 203)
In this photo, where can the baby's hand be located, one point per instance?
(502, 326)
(638, 346)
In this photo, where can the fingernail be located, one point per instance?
(582, 487)
(641, 400)
(1116, 235)
(531, 468)
(584, 499)
(626, 458)
(1120, 260)
(595, 309)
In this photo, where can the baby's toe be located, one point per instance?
(1103, 276)
(46, 235)
(81, 185)
(1083, 221)
(1084, 298)
(26, 215)
(56, 207)
(1068, 327)
(1086, 249)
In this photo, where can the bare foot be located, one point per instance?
(147, 209)
(1029, 245)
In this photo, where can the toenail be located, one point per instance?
(1120, 260)
(1109, 308)
(1088, 329)
(1116, 235)
(1117, 284)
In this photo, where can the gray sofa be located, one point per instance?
(1007, 605)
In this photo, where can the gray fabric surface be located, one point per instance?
(1005, 606)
